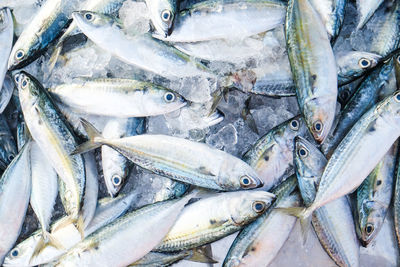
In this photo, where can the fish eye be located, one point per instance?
(20, 54)
(15, 252)
(16, 78)
(317, 126)
(364, 63)
(258, 206)
(169, 97)
(24, 83)
(245, 181)
(398, 59)
(345, 94)
(166, 15)
(88, 16)
(397, 97)
(10, 157)
(116, 180)
(369, 228)
(294, 125)
(303, 152)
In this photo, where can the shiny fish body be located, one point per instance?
(204, 222)
(8, 149)
(53, 135)
(365, 96)
(366, 8)
(313, 66)
(128, 234)
(374, 196)
(332, 223)
(225, 19)
(162, 14)
(16, 178)
(272, 155)
(44, 187)
(67, 234)
(46, 25)
(156, 259)
(6, 40)
(91, 189)
(331, 13)
(387, 33)
(6, 93)
(259, 242)
(148, 54)
(170, 189)
(396, 203)
(359, 152)
(121, 98)
(115, 166)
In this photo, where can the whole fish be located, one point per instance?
(115, 166)
(8, 148)
(6, 37)
(66, 233)
(137, 50)
(225, 19)
(162, 14)
(331, 13)
(215, 169)
(46, 25)
(313, 66)
(15, 190)
(374, 196)
(259, 242)
(365, 9)
(333, 223)
(53, 135)
(272, 155)
(357, 154)
(204, 222)
(129, 234)
(122, 98)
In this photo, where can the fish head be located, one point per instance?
(87, 20)
(242, 176)
(371, 217)
(28, 88)
(352, 64)
(22, 52)
(162, 100)
(246, 206)
(21, 254)
(162, 14)
(390, 109)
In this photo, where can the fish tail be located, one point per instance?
(95, 138)
(201, 254)
(46, 240)
(54, 56)
(304, 214)
(80, 225)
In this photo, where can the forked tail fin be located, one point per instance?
(304, 214)
(95, 138)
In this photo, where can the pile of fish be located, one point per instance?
(139, 133)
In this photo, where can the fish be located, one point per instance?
(122, 98)
(6, 93)
(105, 32)
(52, 134)
(222, 19)
(46, 25)
(107, 211)
(374, 196)
(91, 189)
(129, 233)
(333, 223)
(8, 148)
(365, 9)
(162, 14)
(6, 37)
(204, 222)
(313, 66)
(258, 243)
(13, 207)
(170, 189)
(356, 155)
(272, 155)
(214, 170)
(116, 167)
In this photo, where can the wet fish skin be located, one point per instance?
(116, 97)
(366, 8)
(6, 40)
(272, 155)
(107, 211)
(258, 243)
(204, 222)
(162, 14)
(333, 223)
(313, 66)
(53, 135)
(210, 20)
(8, 148)
(46, 25)
(374, 196)
(105, 32)
(13, 207)
(130, 233)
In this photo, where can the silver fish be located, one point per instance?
(366, 8)
(6, 40)
(162, 14)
